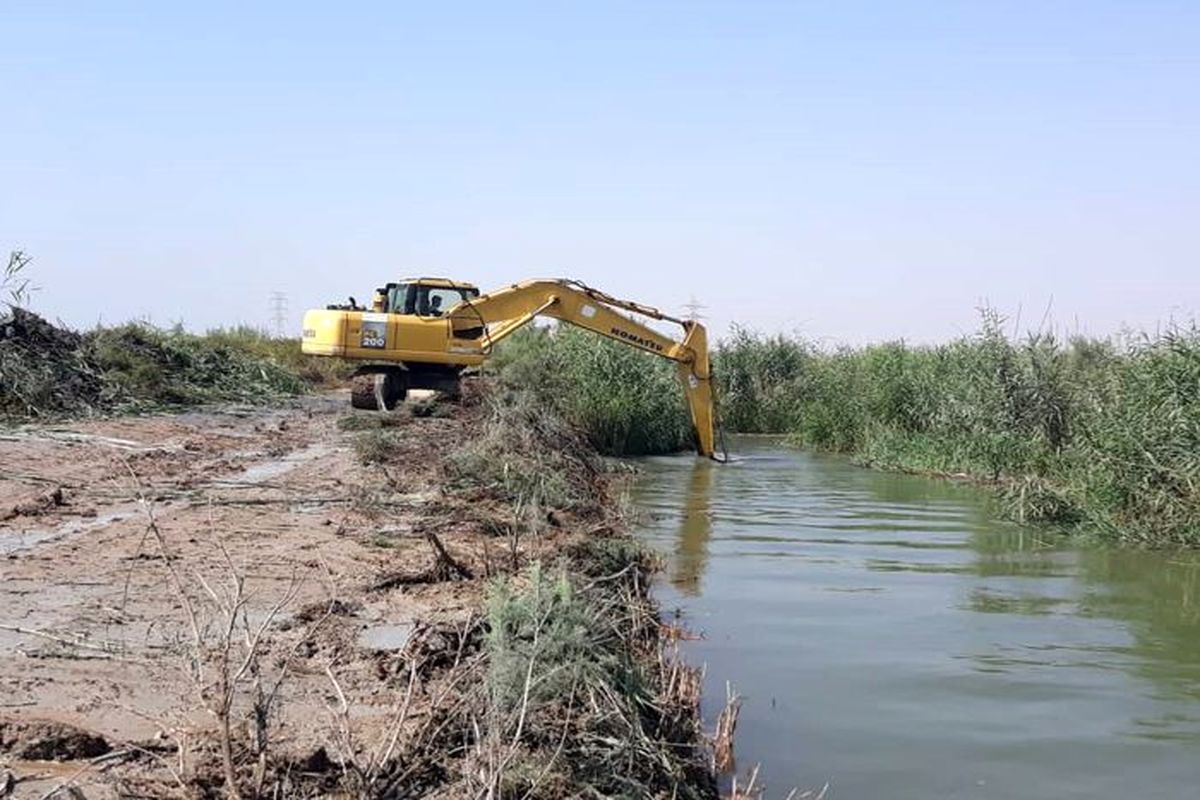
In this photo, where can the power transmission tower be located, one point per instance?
(278, 305)
(693, 307)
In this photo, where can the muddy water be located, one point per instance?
(892, 638)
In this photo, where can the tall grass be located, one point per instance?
(284, 352)
(626, 402)
(1099, 434)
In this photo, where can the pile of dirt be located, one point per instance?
(50, 371)
(44, 368)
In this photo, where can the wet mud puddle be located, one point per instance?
(893, 638)
(20, 539)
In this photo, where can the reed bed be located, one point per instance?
(1100, 436)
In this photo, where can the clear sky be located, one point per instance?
(853, 171)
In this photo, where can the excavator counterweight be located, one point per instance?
(423, 332)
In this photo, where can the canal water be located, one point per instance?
(892, 638)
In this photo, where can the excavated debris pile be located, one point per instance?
(50, 371)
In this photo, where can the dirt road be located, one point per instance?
(108, 526)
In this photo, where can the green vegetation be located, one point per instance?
(375, 446)
(576, 676)
(143, 366)
(314, 370)
(578, 668)
(1102, 436)
(49, 371)
(373, 420)
(527, 455)
(626, 402)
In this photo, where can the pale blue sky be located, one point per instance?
(855, 171)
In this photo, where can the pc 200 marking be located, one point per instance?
(374, 331)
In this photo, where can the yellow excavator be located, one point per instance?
(421, 333)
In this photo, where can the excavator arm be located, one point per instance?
(493, 316)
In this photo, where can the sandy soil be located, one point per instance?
(96, 642)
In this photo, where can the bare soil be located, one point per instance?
(339, 570)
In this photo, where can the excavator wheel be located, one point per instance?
(377, 391)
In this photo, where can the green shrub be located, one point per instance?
(575, 668)
(625, 401)
(545, 622)
(528, 455)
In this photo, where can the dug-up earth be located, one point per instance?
(143, 558)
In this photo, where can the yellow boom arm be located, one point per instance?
(504, 311)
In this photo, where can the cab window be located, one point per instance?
(434, 302)
(397, 297)
(425, 301)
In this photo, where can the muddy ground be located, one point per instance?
(108, 526)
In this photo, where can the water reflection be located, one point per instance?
(1157, 596)
(695, 529)
(863, 612)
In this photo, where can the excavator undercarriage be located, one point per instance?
(384, 386)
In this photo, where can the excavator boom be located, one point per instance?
(514, 306)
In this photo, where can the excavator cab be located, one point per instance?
(405, 341)
(424, 297)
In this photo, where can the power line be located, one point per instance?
(693, 307)
(278, 306)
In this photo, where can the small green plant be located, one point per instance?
(547, 628)
(575, 665)
(375, 446)
(430, 407)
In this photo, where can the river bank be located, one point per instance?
(297, 601)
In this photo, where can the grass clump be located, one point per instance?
(375, 446)
(528, 455)
(372, 420)
(429, 408)
(577, 685)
